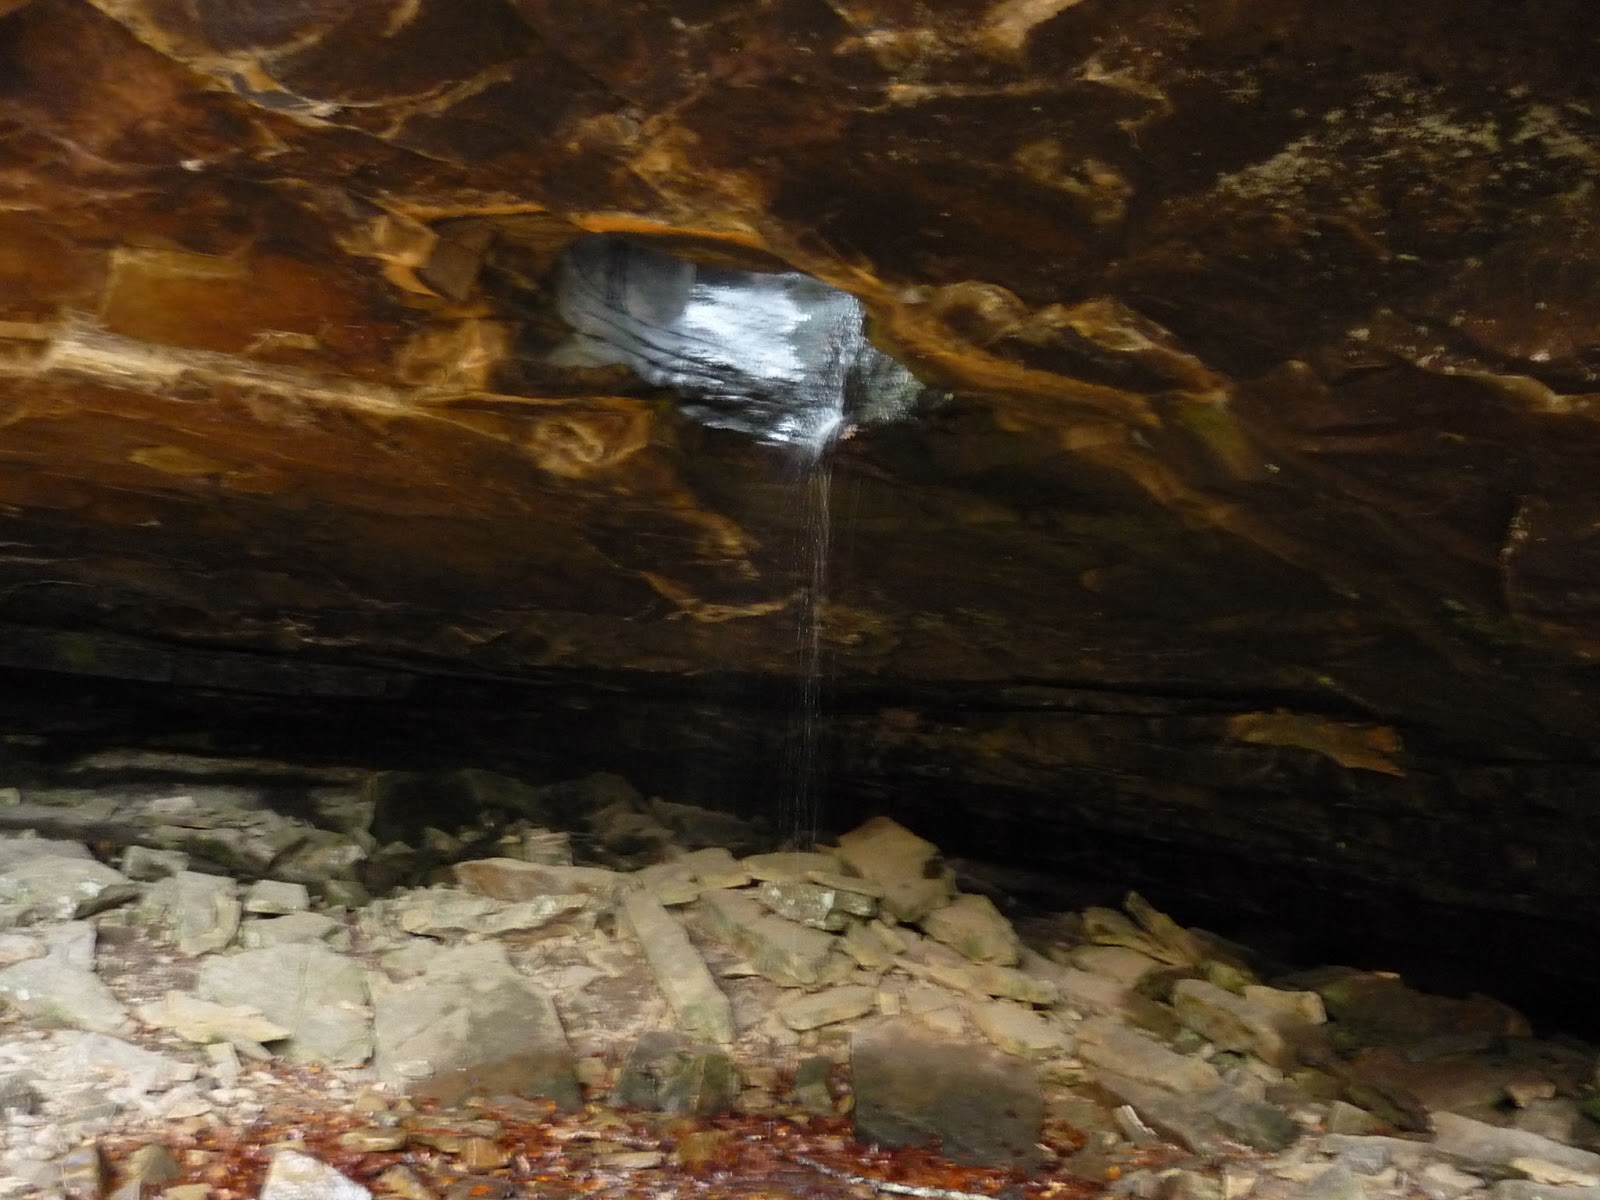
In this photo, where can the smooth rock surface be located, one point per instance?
(53, 992)
(786, 953)
(984, 1107)
(320, 995)
(1114, 1048)
(471, 1025)
(292, 1175)
(972, 926)
(702, 1009)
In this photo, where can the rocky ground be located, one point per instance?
(225, 978)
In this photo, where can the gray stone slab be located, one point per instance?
(902, 864)
(288, 929)
(1526, 1189)
(974, 928)
(295, 1176)
(1109, 1046)
(1205, 1121)
(473, 1026)
(1367, 1154)
(1491, 1145)
(812, 904)
(204, 1021)
(276, 897)
(784, 952)
(914, 1088)
(701, 1007)
(827, 1007)
(52, 991)
(55, 886)
(1019, 1030)
(320, 995)
(1232, 1022)
(204, 913)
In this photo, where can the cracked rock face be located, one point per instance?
(1261, 525)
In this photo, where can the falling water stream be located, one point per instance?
(778, 356)
(803, 775)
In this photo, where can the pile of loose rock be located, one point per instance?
(245, 935)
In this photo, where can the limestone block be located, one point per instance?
(275, 897)
(812, 904)
(972, 926)
(701, 1007)
(827, 1007)
(1018, 1030)
(913, 1086)
(1232, 1022)
(1111, 1046)
(511, 879)
(784, 952)
(54, 992)
(295, 1176)
(471, 1025)
(320, 995)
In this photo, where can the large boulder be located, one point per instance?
(914, 1088)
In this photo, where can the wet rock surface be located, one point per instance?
(477, 1049)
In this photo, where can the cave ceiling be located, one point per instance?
(1270, 329)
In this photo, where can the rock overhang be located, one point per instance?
(1269, 329)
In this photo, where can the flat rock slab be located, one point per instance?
(471, 1025)
(863, 944)
(1020, 1031)
(1233, 1022)
(1112, 1047)
(1083, 990)
(203, 1022)
(1490, 1145)
(813, 904)
(514, 880)
(118, 1069)
(914, 1088)
(701, 1007)
(827, 1007)
(15, 850)
(295, 1176)
(55, 886)
(70, 942)
(320, 995)
(904, 866)
(1368, 1154)
(1527, 1189)
(1008, 983)
(1206, 1122)
(715, 867)
(288, 929)
(445, 910)
(783, 865)
(204, 913)
(784, 952)
(973, 927)
(276, 897)
(54, 992)
(1125, 965)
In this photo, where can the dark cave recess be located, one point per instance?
(1085, 837)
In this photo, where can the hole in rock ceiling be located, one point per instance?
(778, 356)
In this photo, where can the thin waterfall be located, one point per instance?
(804, 769)
(778, 357)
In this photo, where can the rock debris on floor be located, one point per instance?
(178, 963)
